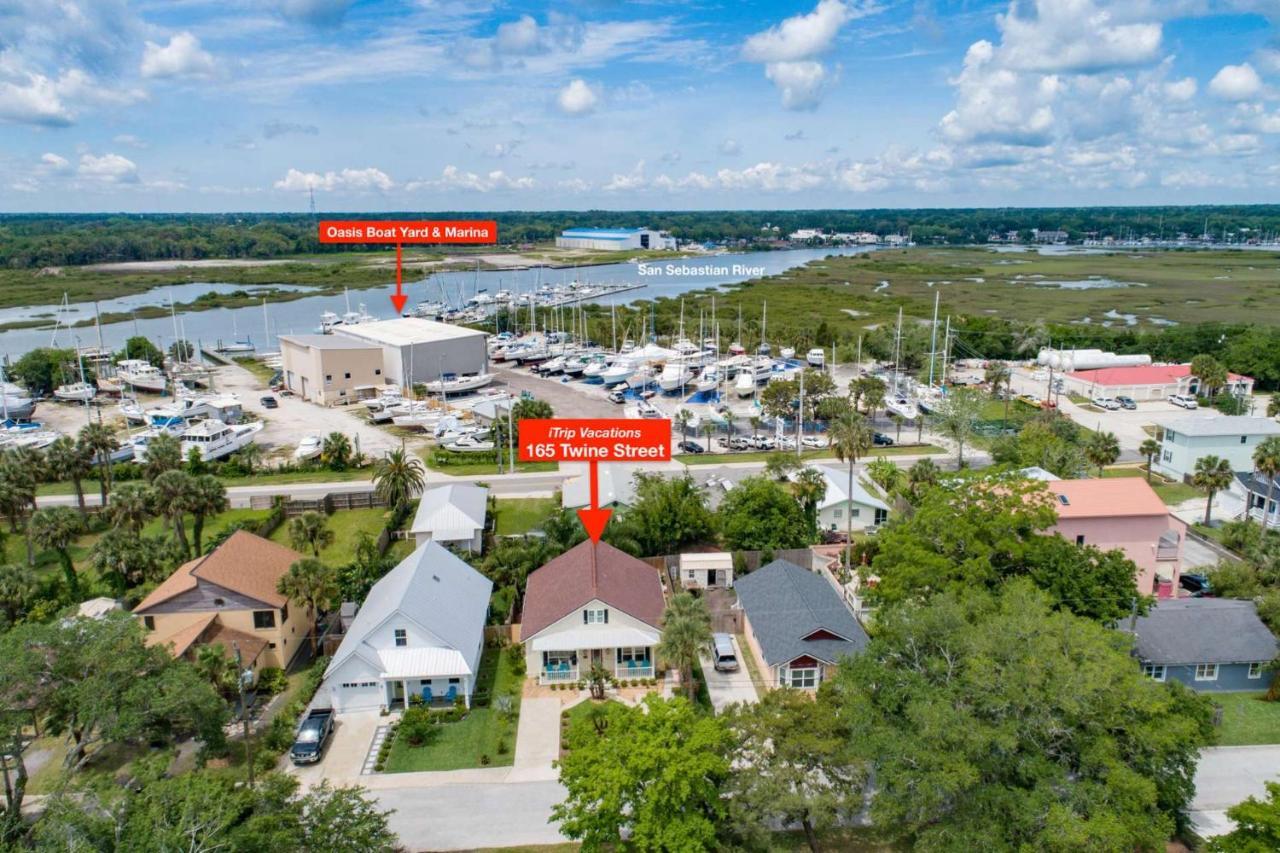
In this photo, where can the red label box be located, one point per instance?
(594, 440)
(407, 231)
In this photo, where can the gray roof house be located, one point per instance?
(452, 515)
(419, 631)
(1209, 644)
(796, 624)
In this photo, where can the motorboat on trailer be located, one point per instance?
(816, 357)
(75, 392)
(309, 448)
(674, 376)
(470, 444)
(902, 406)
(142, 375)
(745, 384)
(453, 383)
(708, 380)
(618, 372)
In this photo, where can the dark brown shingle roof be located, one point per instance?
(568, 582)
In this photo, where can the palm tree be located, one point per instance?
(873, 396)
(398, 476)
(217, 667)
(1102, 449)
(100, 442)
(19, 476)
(335, 451)
(1149, 448)
(1213, 474)
(809, 487)
(250, 455)
(164, 453)
(173, 498)
(1266, 460)
(708, 431)
(851, 436)
(18, 587)
(683, 418)
(998, 374)
(208, 497)
(756, 422)
(957, 419)
(686, 628)
(131, 506)
(69, 460)
(311, 581)
(57, 527)
(923, 473)
(310, 530)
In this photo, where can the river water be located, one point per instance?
(301, 316)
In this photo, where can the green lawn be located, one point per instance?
(1169, 491)
(514, 516)
(1247, 719)
(460, 745)
(821, 453)
(468, 465)
(266, 478)
(749, 661)
(346, 525)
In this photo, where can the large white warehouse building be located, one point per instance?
(416, 350)
(615, 239)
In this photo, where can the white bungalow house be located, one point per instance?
(1184, 441)
(420, 631)
(868, 510)
(452, 515)
(592, 605)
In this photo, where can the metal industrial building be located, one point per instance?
(416, 350)
(615, 239)
(330, 369)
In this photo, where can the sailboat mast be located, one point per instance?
(933, 336)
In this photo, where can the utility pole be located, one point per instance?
(244, 713)
(800, 420)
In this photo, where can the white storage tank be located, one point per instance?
(1088, 359)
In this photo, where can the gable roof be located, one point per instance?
(616, 482)
(1214, 425)
(586, 572)
(1150, 374)
(183, 638)
(451, 512)
(1203, 630)
(433, 588)
(245, 563)
(838, 482)
(1112, 497)
(786, 603)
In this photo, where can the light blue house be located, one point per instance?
(1209, 644)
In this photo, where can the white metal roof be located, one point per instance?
(838, 482)
(707, 560)
(422, 663)
(450, 513)
(594, 638)
(1210, 425)
(403, 331)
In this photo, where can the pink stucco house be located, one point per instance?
(1124, 513)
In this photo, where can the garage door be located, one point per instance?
(356, 695)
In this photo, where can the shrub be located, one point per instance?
(515, 660)
(415, 699)
(502, 746)
(484, 760)
(415, 726)
(279, 734)
(378, 767)
(272, 680)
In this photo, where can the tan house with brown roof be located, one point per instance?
(228, 597)
(591, 605)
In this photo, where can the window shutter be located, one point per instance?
(606, 616)
(584, 617)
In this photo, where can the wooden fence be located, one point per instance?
(326, 504)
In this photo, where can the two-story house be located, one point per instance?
(229, 598)
(1123, 513)
(592, 605)
(861, 506)
(1230, 437)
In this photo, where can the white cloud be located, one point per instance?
(577, 98)
(129, 139)
(633, 180)
(109, 169)
(181, 57)
(453, 178)
(1076, 36)
(1181, 90)
(788, 50)
(31, 98)
(519, 36)
(349, 180)
(801, 83)
(730, 147)
(996, 104)
(1236, 82)
(55, 162)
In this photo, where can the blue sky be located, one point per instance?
(173, 105)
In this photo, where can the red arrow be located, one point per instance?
(594, 519)
(398, 298)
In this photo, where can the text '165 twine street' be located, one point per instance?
(594, 441)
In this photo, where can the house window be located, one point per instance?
(377, 371)
(1153, 671)
(284, 613)
(328, 377)
(149, 622)
(556, 660)
(455, 680)
(882, 515)
(1080, 539)
(346, 375)
(854, 512)
(691, 574)
(264, 619)
(638, 654)
(402, 637)
(806, 678)
(1255, 669)
(595, 616)
(1244, 439)
(837, 513)
(219, 602)
(1167, 456)
(1206, 672)
(271, 645)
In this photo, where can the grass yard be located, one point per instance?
(749, 660)
(1169, 491)
(346, 525)
(483, 732)
(1247, 719)
(819, 454)
(515, 516)
(265, 478)
(467, 465)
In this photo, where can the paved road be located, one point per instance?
(1225, 776)
(470, 816)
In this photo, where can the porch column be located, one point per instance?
(405, 683)
(466, 690)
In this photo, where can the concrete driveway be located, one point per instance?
(537, 740)
(344, 756)
(1225, 776)
(726, 688)
(471, 816)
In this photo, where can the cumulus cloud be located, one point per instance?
(181, 57)
(577, 98)
(1236, 82)
(1076, 36)
(788, 50)
(453, 178)
(348, 180)
(55, 162)
(1181, 90)
(995, 104)
(108, 169)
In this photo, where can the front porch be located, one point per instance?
(439, 677)
(571, 666)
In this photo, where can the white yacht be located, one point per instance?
(554, 365)
(595, 366)
(708, 380)
(816, 357)
(132, 411)
(620, 371)
(213, 439)
(469, 444)
(787, 353)
(674, 376)
(745, 384)
(452, 383)
(574, 365)
(328, 320)
(642, 376)
(142, 375)
(309, 447)
(387, 396)
(902, 406)
(76, 392)
(223, 407)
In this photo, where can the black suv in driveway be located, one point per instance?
(1197, 585)
(1127, 403)
(691, 447)
(879, 439)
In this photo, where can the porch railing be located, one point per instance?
(1166, 552)
(640, 670)
(557, 675)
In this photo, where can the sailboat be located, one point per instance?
(236, 344)
(895, 401)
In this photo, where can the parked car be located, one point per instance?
(1186, 401)
(813, 441)
(1127, 402)
(308, 744)
(722, 655)
(739, 442)
(269, 402)
(691, 447)
(879, 439)
(1197, 585)
(1106, 403)
(616, 397)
